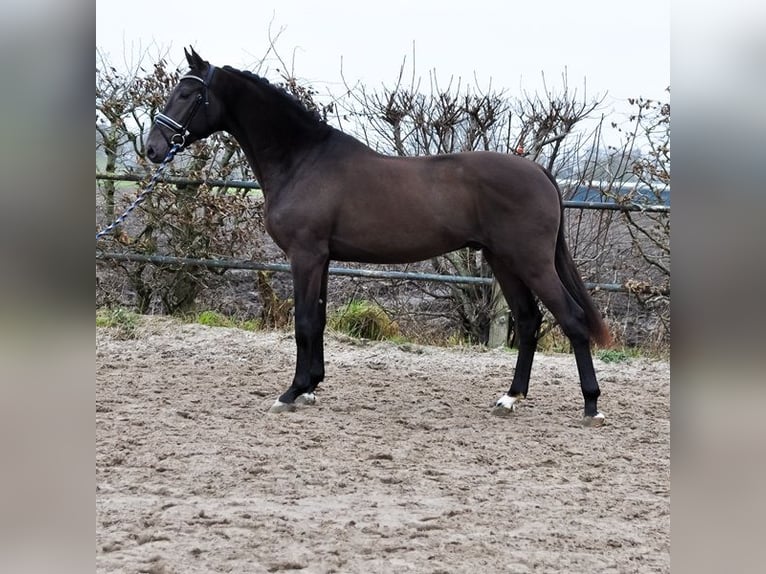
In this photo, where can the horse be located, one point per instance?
(328, 196)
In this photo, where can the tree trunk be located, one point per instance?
(109, 186)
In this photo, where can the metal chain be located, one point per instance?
(142, 196)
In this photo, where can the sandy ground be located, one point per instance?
(400, 466)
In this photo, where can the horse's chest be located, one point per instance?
(288, 225)
(276, 230)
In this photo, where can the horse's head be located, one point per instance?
(190, 113)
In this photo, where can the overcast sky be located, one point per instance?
(618, 47)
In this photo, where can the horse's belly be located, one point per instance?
(390, 246)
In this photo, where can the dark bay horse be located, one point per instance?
(330, 197)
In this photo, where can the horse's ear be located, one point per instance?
(194, 59)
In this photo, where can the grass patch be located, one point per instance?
(121, 321)
(214, 319)
(616, 355)
(364, 320)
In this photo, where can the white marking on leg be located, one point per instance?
(280, 407)
(306, 399)
(505, 405)
(595, 421)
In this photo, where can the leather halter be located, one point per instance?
(181, 129)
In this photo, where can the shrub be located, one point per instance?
(364, 320)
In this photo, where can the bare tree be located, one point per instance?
(547, 120)
(642, 172)
(631, 248)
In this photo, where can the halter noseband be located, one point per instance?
(181, 130)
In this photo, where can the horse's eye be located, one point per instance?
(183, 96)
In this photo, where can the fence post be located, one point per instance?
(501, 318)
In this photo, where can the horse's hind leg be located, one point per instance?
(527, 319)
(547, 286)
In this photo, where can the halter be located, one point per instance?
(181, 130)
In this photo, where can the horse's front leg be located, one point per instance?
(316, 370)
(310, 293)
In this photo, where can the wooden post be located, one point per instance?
(499, 325)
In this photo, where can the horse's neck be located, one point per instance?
(273, 139)
(249, 148)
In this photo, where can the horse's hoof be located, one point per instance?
(595, 421)
(280, 407)
(505, 405)
(306, 399)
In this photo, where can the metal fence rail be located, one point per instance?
(350, 272)
(139, 177)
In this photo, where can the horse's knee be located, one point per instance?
(303, 325)
(307, 330)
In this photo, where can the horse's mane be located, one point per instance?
(289, 99)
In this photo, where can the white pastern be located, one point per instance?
(280, 407)
(595, 421)
(505, 405)
(306, 399)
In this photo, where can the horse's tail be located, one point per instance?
(570, 277)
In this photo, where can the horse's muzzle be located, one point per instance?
(153, 154)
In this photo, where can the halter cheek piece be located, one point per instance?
(181, 130)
